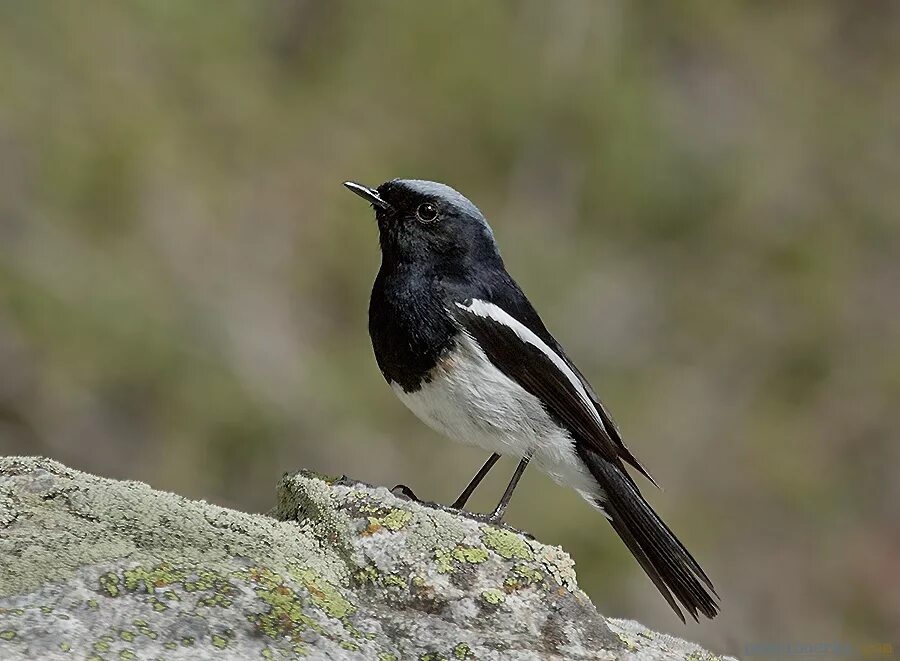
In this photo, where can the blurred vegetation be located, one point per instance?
(701, 197)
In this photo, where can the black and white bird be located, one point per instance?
(463, 349)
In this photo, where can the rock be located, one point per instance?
(101, 569)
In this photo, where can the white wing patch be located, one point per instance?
(500, 316)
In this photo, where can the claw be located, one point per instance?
(405, 492)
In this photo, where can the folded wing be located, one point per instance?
(547, 373)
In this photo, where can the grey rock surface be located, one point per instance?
(100, 569)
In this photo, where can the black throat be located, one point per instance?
(408, 324)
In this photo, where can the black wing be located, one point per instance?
(536, 371)
(506, 294)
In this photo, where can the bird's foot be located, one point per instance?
(495, 518)
(404, 491)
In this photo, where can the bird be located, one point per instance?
(464, 349)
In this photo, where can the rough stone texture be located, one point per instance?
(100, 569)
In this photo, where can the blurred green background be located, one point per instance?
(702, 198)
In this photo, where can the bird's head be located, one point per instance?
(425, 223)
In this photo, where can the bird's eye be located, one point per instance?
(426, 212)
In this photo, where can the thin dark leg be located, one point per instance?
(460, 502)
(497, 515)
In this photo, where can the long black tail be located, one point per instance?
(663, 557)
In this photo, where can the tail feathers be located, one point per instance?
(660, 554)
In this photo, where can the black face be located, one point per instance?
(436, 250)
(429, 224)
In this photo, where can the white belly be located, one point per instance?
(470, 401)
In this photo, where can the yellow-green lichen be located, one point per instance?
(396, 519)
(630, 644)
(7, 634)
(144, 629)
(368, 574)
(157, 605)
(522, 576)
(323, 594)
(506, 544)
(470, 554)
(65, 647)
(463, 652)
(109, 584)
(387, 656)
(393, 520)
(127, 635)
(285, 617)
(127, 655)
(219, 641)
(147, 580)
(210, 581)
(493, 596)
(154, 580)
(371, 575)
(461, 554)
(394, 580)
(444, 560)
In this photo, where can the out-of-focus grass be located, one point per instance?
(701, 198)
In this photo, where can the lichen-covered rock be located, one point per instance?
(99, 569)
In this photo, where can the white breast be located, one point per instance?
(470, 401)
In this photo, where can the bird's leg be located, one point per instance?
(497, 514)
(460, 502)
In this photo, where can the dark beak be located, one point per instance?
(368, 194)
